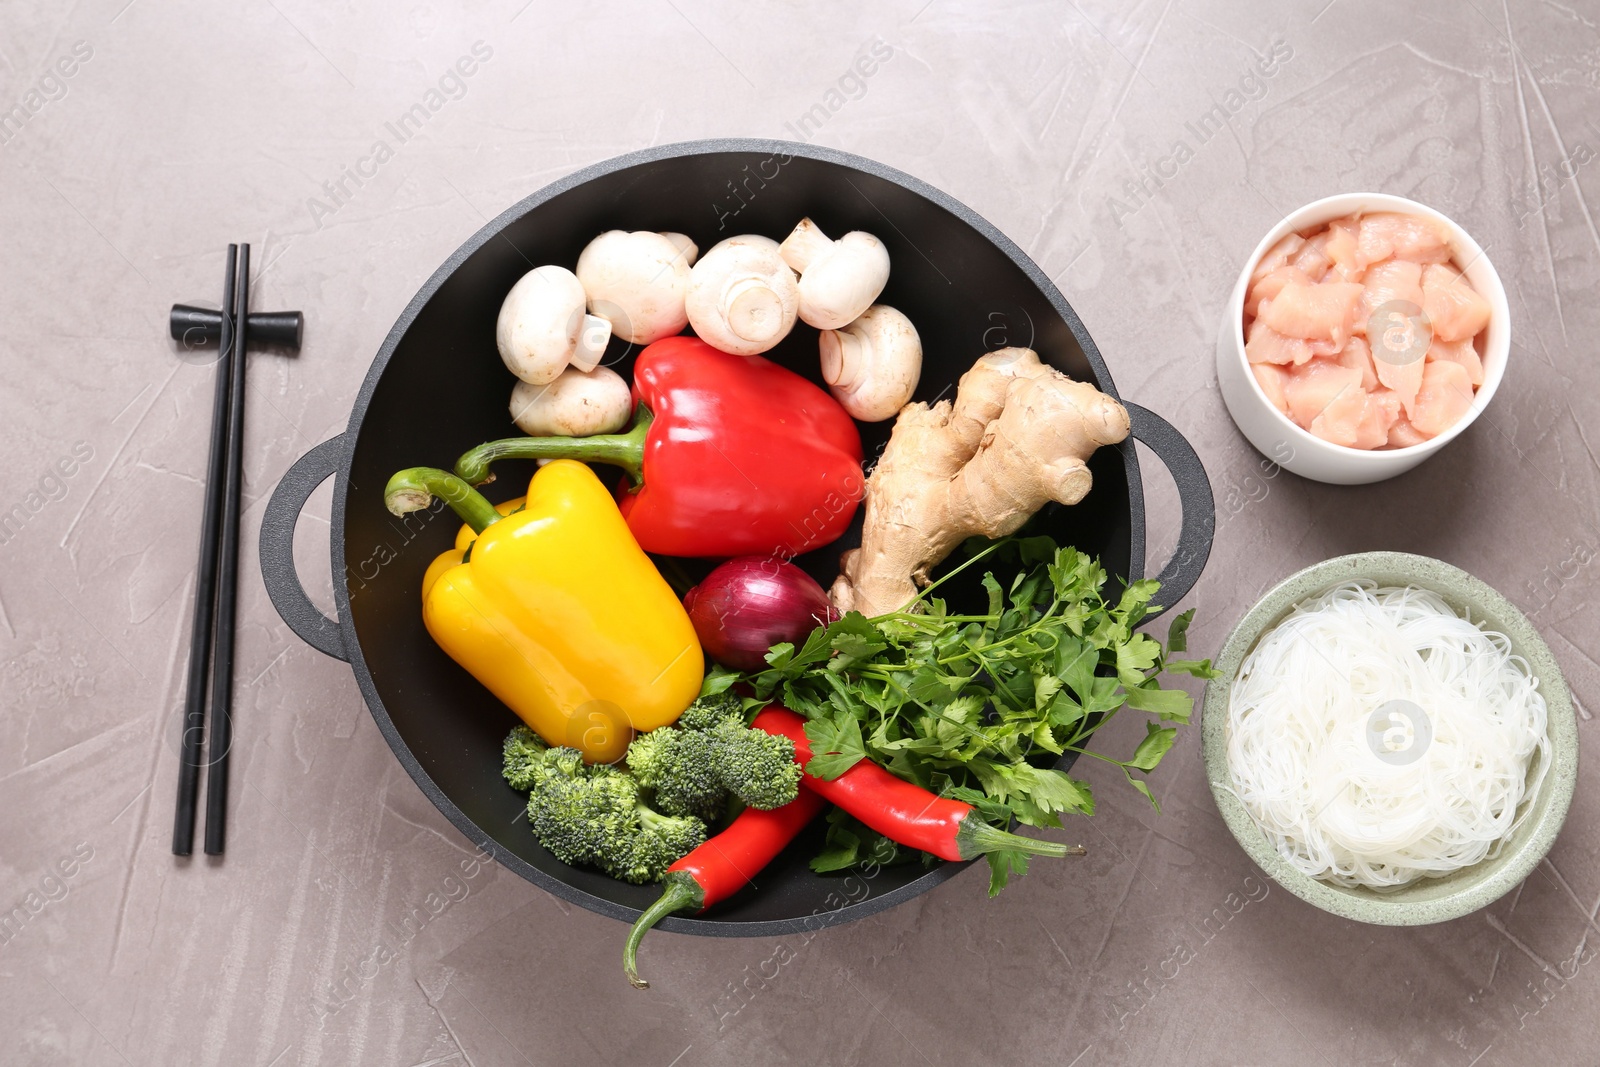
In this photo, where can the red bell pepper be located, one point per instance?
(729, 456)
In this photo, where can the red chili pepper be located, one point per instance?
(722, 866)
(902, 811)
(729, 456)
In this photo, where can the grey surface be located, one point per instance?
(316, 941)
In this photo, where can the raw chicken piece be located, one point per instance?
(1343, 249)
(1445, 396)
(1453, 305)
(1267, 345)
(1338, 421)
(1403, 435)
(1383, 410)
(1358, 419)
(1356, 354)
(1404, 378)
(1268, 286)
(1412, 237)
(1313, 257)
(1277, 256)
(1323, 312)
(1391, 280)
(1271, 378)
(1311, 388)
(1461, 352)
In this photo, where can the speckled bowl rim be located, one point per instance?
(1432, 900)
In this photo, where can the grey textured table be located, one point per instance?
(342, 927)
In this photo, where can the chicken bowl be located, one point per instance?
(1253, 393)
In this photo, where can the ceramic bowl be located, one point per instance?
(1434, 899)
(1280, 439)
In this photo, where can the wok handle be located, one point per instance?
(277, 547)
(1194, 496)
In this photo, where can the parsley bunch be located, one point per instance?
(980, 707)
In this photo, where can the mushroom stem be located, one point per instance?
(625, 450)
(752, 309)
(593, 336)
(804, 244)
(842, 358)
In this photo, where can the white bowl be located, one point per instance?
(1274, 434)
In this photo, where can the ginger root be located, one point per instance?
(1016, 437)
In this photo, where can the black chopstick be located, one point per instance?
(194, 704)
(220, 739)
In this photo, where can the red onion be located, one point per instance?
(751, 603)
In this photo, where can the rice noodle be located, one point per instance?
(1356, 808)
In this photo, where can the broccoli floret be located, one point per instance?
(680, 767)
(647, 755)
(755, 766)
(706, 712)
(524, 758)
(659, 841)
(694, 766)
(578, 811)
(594, 814)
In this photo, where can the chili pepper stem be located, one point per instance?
(679, 892)
(625, 450)
(414, 488)
(974, 837)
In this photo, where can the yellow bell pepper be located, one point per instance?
(556, 609)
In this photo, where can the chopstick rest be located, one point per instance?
(202, 327)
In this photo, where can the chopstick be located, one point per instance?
(211, 639)
(221, 725)
(205, 582)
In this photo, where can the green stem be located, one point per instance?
(987, 551)
(930, 622)
(625, 450)
(974, 837)
(679, 892)
(414, 488)
(1036, 624)
(1097, 755)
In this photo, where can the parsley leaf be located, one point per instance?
(836, 745)
(1157, 740)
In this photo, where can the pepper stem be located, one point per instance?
(414, 488)
(679, 892)
(625, 450)
(974, 837)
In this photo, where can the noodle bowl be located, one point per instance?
(1378, 738)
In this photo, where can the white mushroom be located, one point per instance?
(542, 326)
(872, 365)
(579, 403)
(636, 281)
(742, 297)
(838, 279)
